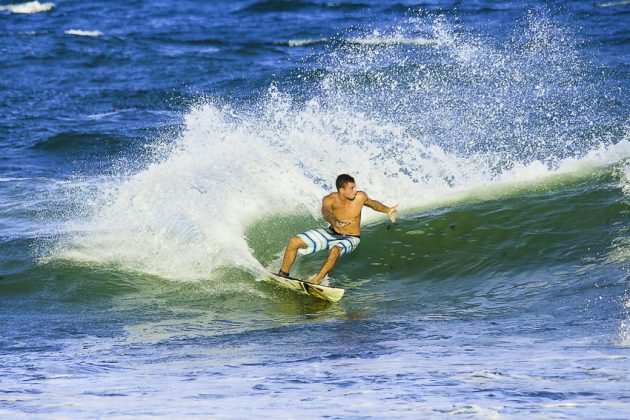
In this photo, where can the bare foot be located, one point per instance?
(322, 282)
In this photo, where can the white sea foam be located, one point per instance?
(625, 179)
(624, 326)
(620, 250)
(13, 179)
(398, 40)
(303, 42)
(624, 332)
(80, 32)
(614, 3)
(30, 7)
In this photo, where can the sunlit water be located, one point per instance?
(156, 158)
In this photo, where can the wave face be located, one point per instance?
(415, 125)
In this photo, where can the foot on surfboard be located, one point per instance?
(323, 282)
(281, 273)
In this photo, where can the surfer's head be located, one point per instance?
(346, 186)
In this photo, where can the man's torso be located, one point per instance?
(348, 211)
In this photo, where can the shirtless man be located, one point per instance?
(342, 209)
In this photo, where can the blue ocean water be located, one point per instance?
(156, 157)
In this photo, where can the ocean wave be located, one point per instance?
(77, 142)
(23, 33)
(624, 326)
(13, 179)
(187, 208)
(80, 32)
(271, 6)
(625, 179)
(29, 7)
(394, 40)
(303, 42)
(267, 6)
(482, 124)
(614, 3)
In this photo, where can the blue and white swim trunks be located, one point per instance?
(326, 238)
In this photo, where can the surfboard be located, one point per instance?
(330, 294)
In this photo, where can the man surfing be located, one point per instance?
(342, 209)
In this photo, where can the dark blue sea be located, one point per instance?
(156, 156)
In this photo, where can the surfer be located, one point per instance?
(342, 209)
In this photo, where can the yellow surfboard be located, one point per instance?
(330, 294)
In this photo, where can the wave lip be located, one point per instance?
(29, 7)
(81, 32)
(374, 40)
(614, 3)
(304, 42)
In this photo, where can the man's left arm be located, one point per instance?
(378, 206)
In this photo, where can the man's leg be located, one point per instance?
(294, 244)
(330, 262)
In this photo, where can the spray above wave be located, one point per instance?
(531, 98)
(412, 124)
(376, 38)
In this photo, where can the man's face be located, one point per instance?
(349, 191)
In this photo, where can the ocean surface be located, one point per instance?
(155, 157)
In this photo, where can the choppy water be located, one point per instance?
(156, 158)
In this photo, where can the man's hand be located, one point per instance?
(392, 213)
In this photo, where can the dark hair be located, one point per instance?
(342, 180)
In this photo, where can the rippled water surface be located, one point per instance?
(156, 157)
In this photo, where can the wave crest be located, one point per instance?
(29, 7)
(80, 32)
(415, 125)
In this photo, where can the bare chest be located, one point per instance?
(346, 211)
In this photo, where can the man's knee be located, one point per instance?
(335, 251)
(297, 242)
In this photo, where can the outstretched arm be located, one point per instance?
(378, 206)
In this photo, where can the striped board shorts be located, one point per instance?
(325, 238)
